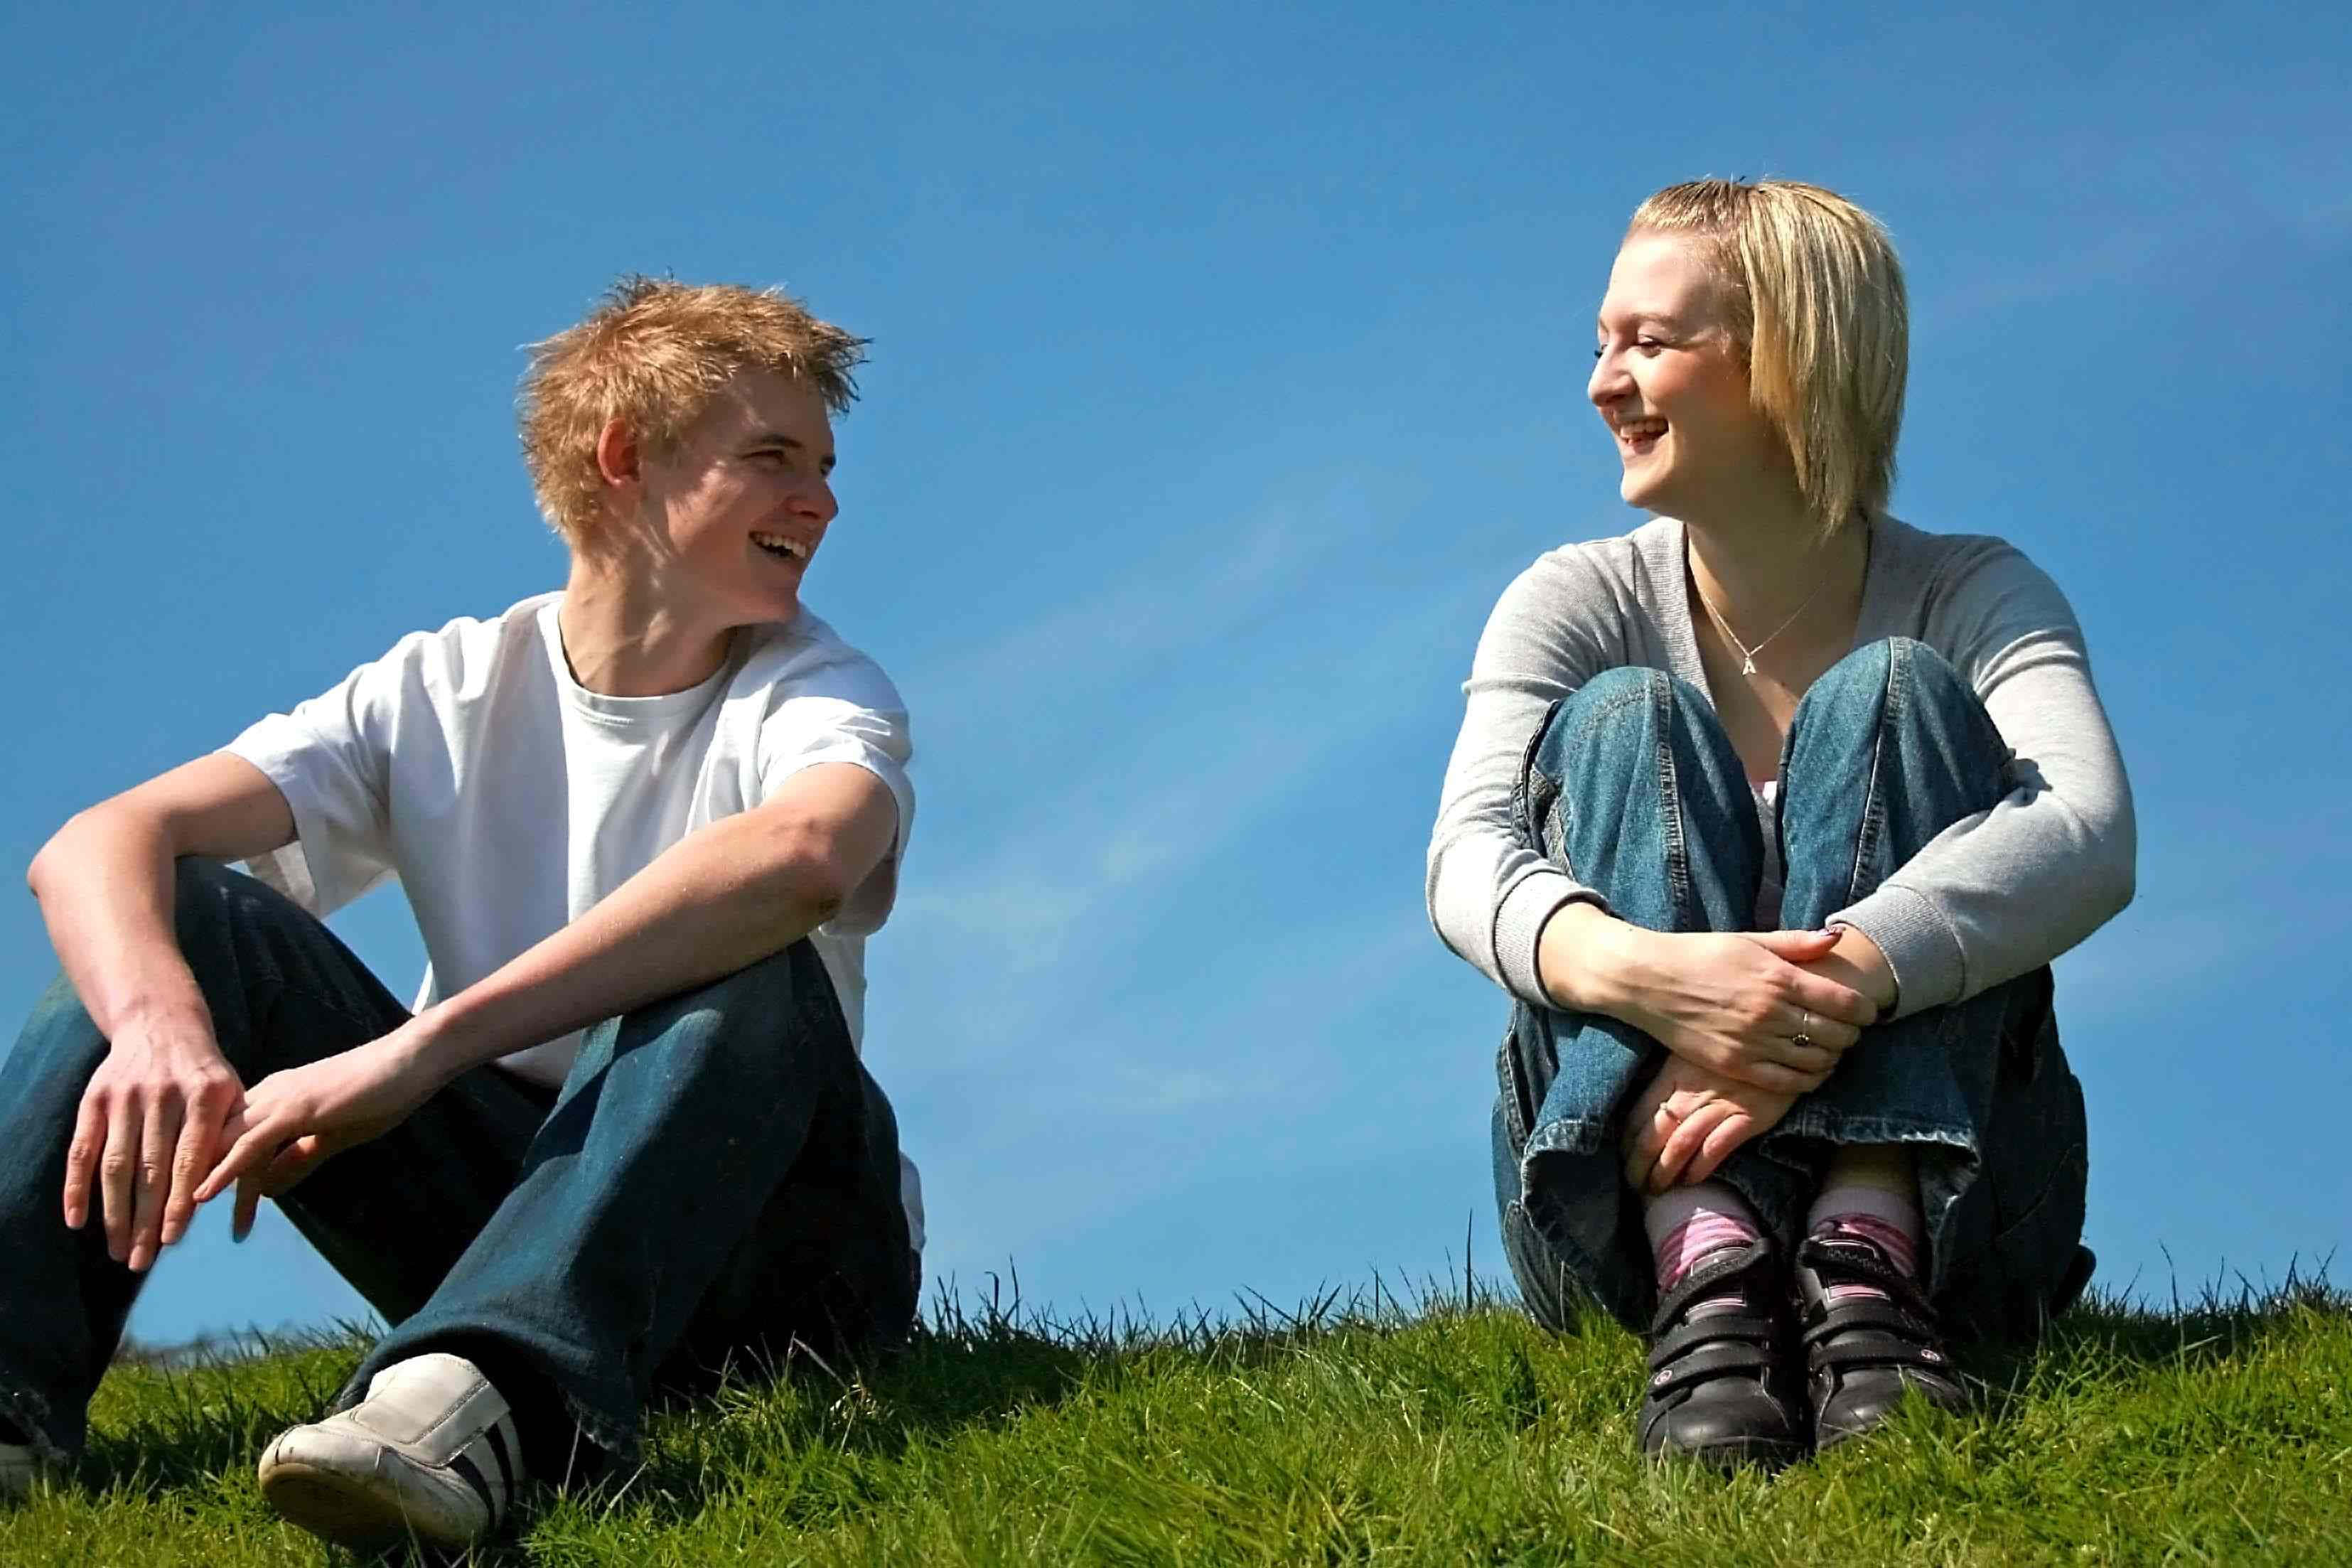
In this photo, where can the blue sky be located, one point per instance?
(1228, 360)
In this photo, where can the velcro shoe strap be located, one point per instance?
(1869, 1312)
(1724, 1357)
(1867, 1347)
(1713, 1328)
(1725, 1272)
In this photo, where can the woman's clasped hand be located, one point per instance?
(1749, 1006)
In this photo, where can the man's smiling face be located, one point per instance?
(735, 509)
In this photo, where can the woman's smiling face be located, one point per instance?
(1671, 383)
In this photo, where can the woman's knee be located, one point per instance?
(1614, 721)
(1901, 675)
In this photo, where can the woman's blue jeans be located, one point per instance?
(1632, 784)
(717, 1177)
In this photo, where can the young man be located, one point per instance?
(644, 826)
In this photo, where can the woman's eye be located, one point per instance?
(1648, 345)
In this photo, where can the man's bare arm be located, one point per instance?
(719, 899)
(149, 1119)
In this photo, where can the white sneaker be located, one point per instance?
(431, 1453)
(18, 1465)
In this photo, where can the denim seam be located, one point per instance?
(1506, 1077)
(1875, 1129)
(1563, 1136)
(1670, 801)
(1872, 830)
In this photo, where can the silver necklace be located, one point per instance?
(1748, 654)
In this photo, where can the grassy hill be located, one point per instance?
(1443, 1430)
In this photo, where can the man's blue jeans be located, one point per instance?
(717, 1177)
(1632, 784)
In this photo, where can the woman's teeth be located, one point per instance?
(777, 544)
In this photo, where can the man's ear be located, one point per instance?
(617, 454)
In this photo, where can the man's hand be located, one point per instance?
(151, 1117)
(1734, 1003)
(146, 1132)
(1688, 1122)
(293, 1119)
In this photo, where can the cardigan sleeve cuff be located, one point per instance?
(1519, 922)
(1920, 946)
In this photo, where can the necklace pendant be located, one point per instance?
(1749, 668)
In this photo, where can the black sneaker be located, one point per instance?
(1720, 1381)
(1861, 1355)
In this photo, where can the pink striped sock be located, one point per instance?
(1689, 1225)
(1887, 1221)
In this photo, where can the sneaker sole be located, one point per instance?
(343, 1509)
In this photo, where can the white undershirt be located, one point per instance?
(1769, 891)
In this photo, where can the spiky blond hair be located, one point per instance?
(1821, 312)
(652, 354)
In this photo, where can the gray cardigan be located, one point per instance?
(1991, 897)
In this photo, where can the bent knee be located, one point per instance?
(1896, 666)
(1628, 694)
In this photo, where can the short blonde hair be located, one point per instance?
(1820, 313)
(652, 354)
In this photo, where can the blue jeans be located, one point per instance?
(718, 1176)
(1633, 784)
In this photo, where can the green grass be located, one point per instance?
(1442, 1431)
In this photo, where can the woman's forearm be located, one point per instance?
(1585, 957)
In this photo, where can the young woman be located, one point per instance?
(1770, 816)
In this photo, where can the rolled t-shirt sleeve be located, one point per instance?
(331, 759)
(807, 729)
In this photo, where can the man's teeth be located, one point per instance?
(777, 544)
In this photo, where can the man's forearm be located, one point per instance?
(719, 899)
(105, 887)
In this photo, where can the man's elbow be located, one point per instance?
(41, 875)
(812, 873)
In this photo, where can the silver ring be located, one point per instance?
(1803, 1037)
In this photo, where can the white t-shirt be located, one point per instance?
(507, 799)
